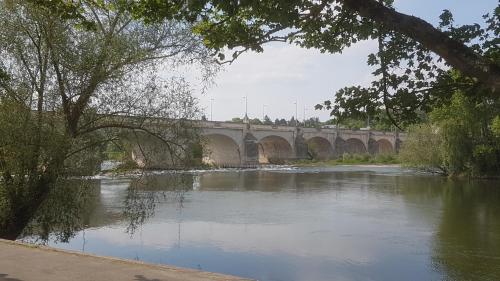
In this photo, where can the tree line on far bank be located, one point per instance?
(312, 122)
(378, 122)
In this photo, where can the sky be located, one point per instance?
(284, 74)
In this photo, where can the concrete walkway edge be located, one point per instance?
(27, 262)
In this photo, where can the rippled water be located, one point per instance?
(341, 223)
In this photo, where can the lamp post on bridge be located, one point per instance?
(367, 118)
(246, 119)
(211, 108)
(296, 125)
(246, 104)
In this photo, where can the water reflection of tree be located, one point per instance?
(66, 211)
(74, 205)
(467, 242)
(145, 193)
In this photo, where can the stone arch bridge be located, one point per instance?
(234, 144)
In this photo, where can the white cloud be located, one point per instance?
(283, 74)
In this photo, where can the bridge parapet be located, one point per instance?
(272, 128)
(218, 124)
(322, 130)
(385, 134)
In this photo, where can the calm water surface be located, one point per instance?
(341, 223)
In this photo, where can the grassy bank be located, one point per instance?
(352, 159)
(346, 159)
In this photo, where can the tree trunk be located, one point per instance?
(454, 52)
(23, 214)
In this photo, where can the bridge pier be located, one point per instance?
(250, 151)
(301, 149)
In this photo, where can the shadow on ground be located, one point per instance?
(5, 277)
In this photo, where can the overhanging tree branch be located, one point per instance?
(454, 52)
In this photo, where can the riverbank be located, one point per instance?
(373, 162)
(352, 159)
(20, 261)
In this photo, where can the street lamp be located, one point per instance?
(211, 108)
(263, 112)
(295, 113)
(246, 104)
(367, 117)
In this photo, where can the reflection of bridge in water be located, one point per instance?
(240, 144)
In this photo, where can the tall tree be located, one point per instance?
(65, 91)
(267, 120)
(409, 80)
(255, 121)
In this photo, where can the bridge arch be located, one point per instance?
(384, 147)
(274, 149)
(355, 146)
(220, 150)
(319, 148)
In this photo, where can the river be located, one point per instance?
(299, 224)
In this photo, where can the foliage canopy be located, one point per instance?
(66, 91)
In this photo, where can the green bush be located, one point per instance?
(423, 149)
(495, 126)
(485, 159)
(460, 139)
